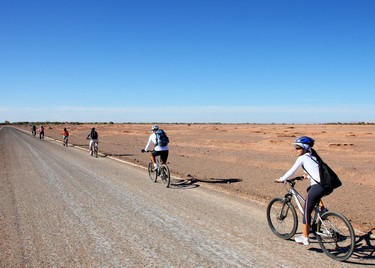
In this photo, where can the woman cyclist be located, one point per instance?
(41, 132)
(307, 160)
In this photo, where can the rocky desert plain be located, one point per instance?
(245, 159)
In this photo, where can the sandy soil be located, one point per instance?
(245, 159)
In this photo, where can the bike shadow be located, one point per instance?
(220, 180)
(364, 249)
(192, 182)
(183, 184)
(109, 154)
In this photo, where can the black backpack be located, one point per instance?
(161, 138)
(328, 178)
(94, 135)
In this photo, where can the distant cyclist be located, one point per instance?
(93, 137)
(33, 130)
(41, 132)
(65, 134)
(160, 140)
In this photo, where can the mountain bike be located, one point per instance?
(161, 170)
(333, 231)
(65, 142)
(94, 150)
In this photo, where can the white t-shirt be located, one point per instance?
(152, 139)
(309, 164)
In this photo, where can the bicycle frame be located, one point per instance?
(300, 202)
(297, 197)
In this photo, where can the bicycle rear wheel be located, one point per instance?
(282, 218)
(96, 150)
(165, 175)
(336, 236)
(151, 173)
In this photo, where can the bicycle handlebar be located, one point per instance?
(298, 178)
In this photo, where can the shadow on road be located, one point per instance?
(364, 252)
(219, 180)
(108, 154)
(192, 182)
(365, 249)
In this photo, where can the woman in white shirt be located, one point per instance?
(308, 161)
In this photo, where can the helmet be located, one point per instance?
(154, 128)
(92, 128)
(304, 142)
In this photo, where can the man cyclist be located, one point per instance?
(33, 130)
(160, 141)
(93, 137)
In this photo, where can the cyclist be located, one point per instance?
(41, 132)
(33, 130)
(93, 137)
(159, 149)
(65, 134)
(306, 158)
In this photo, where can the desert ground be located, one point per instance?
(245, 159)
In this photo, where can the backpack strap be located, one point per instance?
(316, 161)
(310, 174)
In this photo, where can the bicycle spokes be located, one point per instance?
(336, 236)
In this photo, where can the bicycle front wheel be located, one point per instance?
(336, 236)
(165, 175)
(282, 218)
(151, 172)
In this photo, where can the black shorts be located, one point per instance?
(163, 155)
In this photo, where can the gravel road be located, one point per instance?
(59, 207)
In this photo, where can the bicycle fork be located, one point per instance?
(285, 208)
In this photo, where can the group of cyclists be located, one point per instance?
(306, 158)
(40, 130)
(93, 136)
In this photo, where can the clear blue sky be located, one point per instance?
(271, 61)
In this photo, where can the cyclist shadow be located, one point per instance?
(364, 249)
(220, 180)
(192, 182)
(108, 154)
(79, 145)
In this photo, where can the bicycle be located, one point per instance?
(161, 170)
(65, 142)
(94, 150)
(333, 231)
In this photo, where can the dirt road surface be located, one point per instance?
(59, 207)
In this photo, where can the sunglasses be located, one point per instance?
(299, 148)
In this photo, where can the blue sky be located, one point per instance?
(228, 61)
